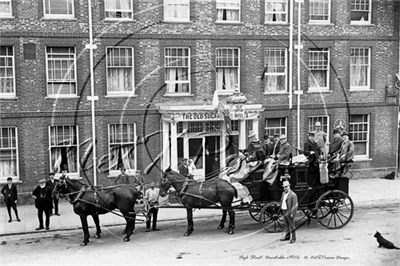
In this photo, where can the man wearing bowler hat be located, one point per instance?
(42, 196)
(288, 206)
(51, 183)
(313, 153)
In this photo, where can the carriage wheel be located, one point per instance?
(255, 210)
(271, 218)
(335, 209)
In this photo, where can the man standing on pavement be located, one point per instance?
(42, 196)
(151, 195)
(122, 178)
(10, 194)
(320, 138)
(51, 183)
(288, 206)
(183, 169)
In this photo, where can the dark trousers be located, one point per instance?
(55, 205)
(290, 227)
(152, 212)
(14, 206)
(40, 216)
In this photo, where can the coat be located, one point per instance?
(310, 146)
(275, 148)
(258, 154)
(122, 179)
(347, 151)
(51, 184)
(335, 146)
(10, 194)
(291, 203)
(183, 170)
(284, 152)
(43, 198)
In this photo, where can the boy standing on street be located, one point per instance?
(10, 194)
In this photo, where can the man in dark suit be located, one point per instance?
(183, 168)
(10, 198)
(289, 204)
(275, 146)
(51, 183)
(42, 196)
(313, 153)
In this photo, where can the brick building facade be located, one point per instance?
(157, 66)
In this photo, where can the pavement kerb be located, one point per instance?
(359, 205)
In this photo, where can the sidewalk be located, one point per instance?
(364, 192)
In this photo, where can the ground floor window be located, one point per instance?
(63, 149)
(359, 133)
(122, 147)
(8, 153)
(275, 126)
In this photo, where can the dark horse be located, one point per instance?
(89, 201)
(198, 195)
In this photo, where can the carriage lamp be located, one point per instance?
(236, 102)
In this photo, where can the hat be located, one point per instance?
(317, 124)
(345, 133)
(51, 173)
(336, 131)
(42, 180)
(122, 168)
(311, 134)
(251, 134)
(184, 159)
(9, 178)
(285, 184)
(276, 136)
(283, 136)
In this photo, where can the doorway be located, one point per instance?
(212, 155)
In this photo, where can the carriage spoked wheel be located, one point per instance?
(255, 211)
(271, 218)
(335, 209)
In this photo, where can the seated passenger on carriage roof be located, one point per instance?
(345, 155)
(311, 149)
(285, 149)
(257, 153)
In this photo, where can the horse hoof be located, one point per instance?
(186, 234)
(97, 236)
(84, 243)
(126, 239)
(230, 232)
(220, 227)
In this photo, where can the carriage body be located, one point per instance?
(329, 203)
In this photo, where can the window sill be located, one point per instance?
(362, 159)
(276, 93)
(119, 20)
(229, 23)
(361, 90)
(74, 176)
(318, 91)
(276, 23)
(7, 17)
(114, 174)
(61, 97)
(122, 96)
(320, 24)
(225, 92)
(60, 18)
(3, 182)
(362, 24)
(178, 21)
(8, 98)
(178, 95)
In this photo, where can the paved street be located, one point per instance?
(250, 245)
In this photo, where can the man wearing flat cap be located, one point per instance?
(313, 153)
(42, 196)
(346, 154)
(288, 206)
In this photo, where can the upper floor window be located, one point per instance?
(318, 65)
(320, 11)
(361, 11)
(227, 66)
(64, 149)
(58, 8)
(228, 10)
(118, 9)
(360, 65)
(7, 79)
(5, 8)
(275, 70)
(8, 153)
(120, 70)
(61, 71)
(276, 11)
(122, 147)
(177, 69)
(359, 130)
(176, 10)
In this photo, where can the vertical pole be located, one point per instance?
(166, 152)
(174, 147)
(92, 98)
(299, 47)
(291, 56)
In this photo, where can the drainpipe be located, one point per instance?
(291, 56)
(92, 97)
(299, 91)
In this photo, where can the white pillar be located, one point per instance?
(242, 134)
(223, 145)
(166, 153)
(255, 127)
(174, 147)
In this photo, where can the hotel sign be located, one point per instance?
(200, 116)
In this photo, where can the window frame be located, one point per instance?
(286, 13)
(368, 86)
(218, 59)
(188, 81)
(173, 3)
(134, 143)
(365, 22)
(59, 16)
(120, 93)
(118, 10)
(7, 15)
(232, 2)
(327, 55)
(319, 21)
(3, 179)
(285, 73)
(276, 130)
(54, 95)
(70, 174)
(368, 132)
(9, 94)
